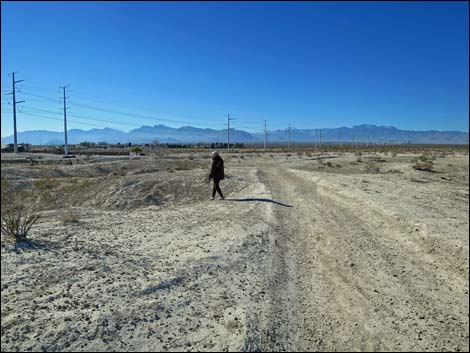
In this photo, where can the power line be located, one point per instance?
(169, 134)
(141, 116)
(93, 107)
(103, 120)
(31, 110)
(133, 97)
(60, 119)
(119, 112)
(40, 96)
(166, 134)
(82, 117)
(43, 110)
(80, 103)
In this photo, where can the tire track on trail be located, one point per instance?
(340, 280)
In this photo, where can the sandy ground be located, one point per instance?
(302, 256)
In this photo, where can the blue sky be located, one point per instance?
(311, 65)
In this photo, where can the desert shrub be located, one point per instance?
(17, 221)
(424, 162)
(136, 149)
(423, 158)
(358, 160)
(371, 166)
(18, 213)
(329, 164)
(426, 158)
(426, 166)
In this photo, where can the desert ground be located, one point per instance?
(310, 251)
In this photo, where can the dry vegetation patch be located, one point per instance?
(424, 163)
(19, 213)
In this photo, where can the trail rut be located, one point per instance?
(345, 278)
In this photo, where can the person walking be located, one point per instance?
(217, 174)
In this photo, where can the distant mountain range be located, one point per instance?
(189, 134)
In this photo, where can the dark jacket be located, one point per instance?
(217, 168)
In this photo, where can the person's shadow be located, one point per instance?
(260, 200)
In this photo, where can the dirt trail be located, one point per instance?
(347, 276)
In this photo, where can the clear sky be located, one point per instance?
(310, 64)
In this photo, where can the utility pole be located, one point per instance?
(265, 136)
(288, 146)
(341, 139)
(228, 130)
(316, 138)
(321, 132)
(13, 92)
(66, 151)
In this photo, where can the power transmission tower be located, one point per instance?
(66, 151)
(341, 139)
(265, 136)
(228, 130)
(288, 145)
(316, 133)
(321, 132)
(13, 92)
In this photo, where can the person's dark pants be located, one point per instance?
(216, 187)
